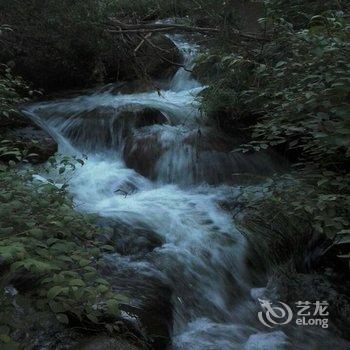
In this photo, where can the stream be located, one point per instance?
(165, 180)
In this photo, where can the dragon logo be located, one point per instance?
(274, 315)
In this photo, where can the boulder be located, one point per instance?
(174, 155)
(142, 153)
(134, 239)
(131, 273)
(106, 126)
(137, 116)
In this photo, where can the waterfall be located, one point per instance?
(155, 163)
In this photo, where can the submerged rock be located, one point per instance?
(142, 153)
(136, 240)
(174, 154)
(105, 127)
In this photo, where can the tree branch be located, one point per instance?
(144, 28)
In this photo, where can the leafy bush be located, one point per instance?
(13, 91)
(51, 253)
(292, 94)
(295, 205)
(305, 100)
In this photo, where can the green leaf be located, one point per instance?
(344, 240)
(112, 306)
(62, 318)
(92, 318)
(54, 292)
(108, 248)
(77, 282)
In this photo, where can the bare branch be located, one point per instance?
(144, 28)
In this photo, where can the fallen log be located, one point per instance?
(119, 27)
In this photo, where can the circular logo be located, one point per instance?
(273, 315)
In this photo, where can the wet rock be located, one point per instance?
(293, 287)
(25, 135)
(142, 153)
(150, 298)
(135, 240)
(40, 330)
(172, 155)
(106, 343)
(131, 273)
(208, 142)
(129, 115)
(107, 127)
(37, 141)
(139, 116)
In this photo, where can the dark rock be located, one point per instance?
(132, 273)
(24, 134)
(137, 116)
(105, 343)
(208, 143)
(142, 153)
(131, 240)
(107, 127)
(150, 300)
(292, 287)
(37, 141)
(191, 157)
(40, 330)
(130, 115)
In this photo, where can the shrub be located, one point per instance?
(292, 94)
(52, 254)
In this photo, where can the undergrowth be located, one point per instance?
(51, 254)
(290, 93)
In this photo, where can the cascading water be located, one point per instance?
(200, 256)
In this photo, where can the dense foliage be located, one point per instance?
(13, 90)
(291, 93)
(51, 253)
